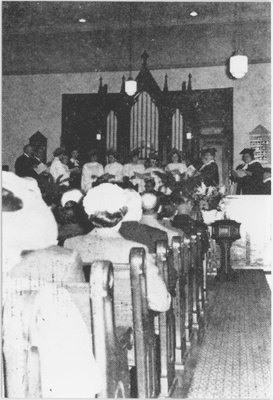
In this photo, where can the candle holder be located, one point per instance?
(225, 232)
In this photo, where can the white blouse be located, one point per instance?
(90, 169)
(115, 169)
(58, 169)
(129, 171)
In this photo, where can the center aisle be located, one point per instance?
(234, 357)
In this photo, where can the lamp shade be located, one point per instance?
(130, 87)
(238, 65)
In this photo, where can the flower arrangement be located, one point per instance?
(209, 197)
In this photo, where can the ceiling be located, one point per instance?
(47, 37)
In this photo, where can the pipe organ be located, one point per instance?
(144, 125)
(153, 119)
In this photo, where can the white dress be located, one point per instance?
(181, 167)
(89, 169)
(115, 169)
(58, 169)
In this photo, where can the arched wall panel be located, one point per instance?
(177, 130)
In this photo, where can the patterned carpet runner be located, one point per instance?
(234, 357)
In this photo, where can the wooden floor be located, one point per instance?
(232, 359)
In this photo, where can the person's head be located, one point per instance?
(112, 157)
(149, 185)
(27, 222)
(58, 152)
(247, 155)
(153, 160)
(208, 155)
(69, 213)
(105, 205)
(28, 149)
(150, 203)
(134, 156)
(64, 158)
(74, 154)
(267, 173)
(93, 156)
(39, 153)
(134, 205)
(174, 156)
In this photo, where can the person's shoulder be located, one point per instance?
(75, 240)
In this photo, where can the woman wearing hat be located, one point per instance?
(176, 166)
(249, 174)
(134, 170)
(106, 206)
(209, 170)
(113, 170)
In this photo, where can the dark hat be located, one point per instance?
(210, 150)
(248, 151)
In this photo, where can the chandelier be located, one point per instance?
(130, 84)
(238, 63)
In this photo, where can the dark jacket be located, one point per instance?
(24, 166)
(210, 174)
(250, 184)
(141, 233)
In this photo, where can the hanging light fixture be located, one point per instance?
(238, 63)
(130, 84)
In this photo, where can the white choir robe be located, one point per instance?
(129, 171)
(58, 169)
(90, 169)
(115, 169)
(181, 167)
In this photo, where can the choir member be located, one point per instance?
(106, 207)
(249, 174)
(152, 169)
(113, 170)
(59, 167)
(134, 170)
(209, 170)
(176, 166)
(74, 159)
(91, 172)
(25, 163)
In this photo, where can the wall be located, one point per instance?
(33, 102)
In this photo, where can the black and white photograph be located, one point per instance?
(136, 247)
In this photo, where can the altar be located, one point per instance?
(254, 249)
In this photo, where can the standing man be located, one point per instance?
(25, 163)
(249, 174)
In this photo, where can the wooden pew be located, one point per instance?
(167, 321)
(95, 303)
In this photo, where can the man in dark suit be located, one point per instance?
(131, 229)
(25, 163)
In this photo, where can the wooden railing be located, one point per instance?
(114, 304)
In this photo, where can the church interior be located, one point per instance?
(136, 199)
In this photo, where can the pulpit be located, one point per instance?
(225, 232)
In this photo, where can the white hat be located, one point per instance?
(31, 227)
(134, 205)
(71, 195)
(105, 197)
(149, 201)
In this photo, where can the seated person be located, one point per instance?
(106, 207)
(152, 170)
(249, 174)
(75, 170)
(29, 227)
(91, 171)
(25, 163)
(266, 185)
(176, 166)
(59, 168)
(209, 170)
(131, 229)
(150, 206)
(113, 170)
(133, 170)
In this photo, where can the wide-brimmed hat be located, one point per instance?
(106, 197)
(71, 195)
(248, 151)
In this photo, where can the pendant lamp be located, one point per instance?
(130, 84)
(238, 63)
